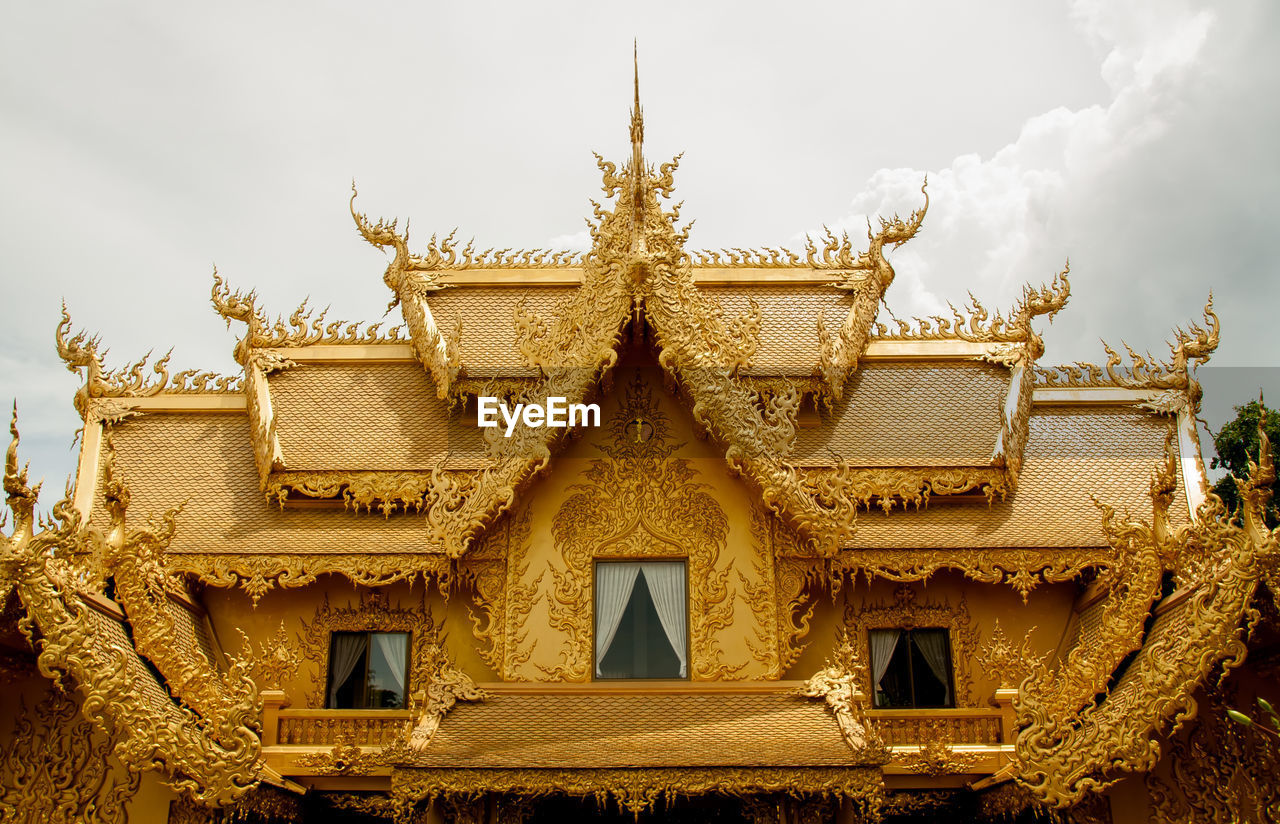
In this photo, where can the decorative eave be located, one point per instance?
(214, 759)
(1218, 563)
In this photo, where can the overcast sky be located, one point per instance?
(142, 144)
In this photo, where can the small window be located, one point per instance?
(368, 670)
(911, 667)
(641, 620)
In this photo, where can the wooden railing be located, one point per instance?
(324, 728)
(958, 726)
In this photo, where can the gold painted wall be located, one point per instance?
(642, 485)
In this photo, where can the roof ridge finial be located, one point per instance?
(637, 117)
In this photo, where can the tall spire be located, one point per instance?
(637, 118)
(637, 176)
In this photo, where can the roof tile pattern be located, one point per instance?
(488, 323)
(911, 414)
(206, 461)
(145, 684)
(615, 731)
(366, 416)
(1072, 453)
(789, 329)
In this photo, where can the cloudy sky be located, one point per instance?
(142, 144)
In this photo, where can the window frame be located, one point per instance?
(368, 653)
(949, 685)
(688, 624)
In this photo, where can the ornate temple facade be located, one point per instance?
(806, 565)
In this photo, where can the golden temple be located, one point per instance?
(809, 567)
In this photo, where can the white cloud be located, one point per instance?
(1083, 183)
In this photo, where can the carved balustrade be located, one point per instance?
(362, 728)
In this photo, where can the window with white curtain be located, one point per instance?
(368, 670)
(911, 667)
(641, 619)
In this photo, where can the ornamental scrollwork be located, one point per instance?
(444, 687)
(58, 769)
(639, 790)
(640, 502)
(81, 354)
(275, 660)
(135, 560)
(1022, 569)
(1066, 756)
(1007, 662)
(498, 571)
(373, 613)
(1219, 773)
(934, 757)
(1190, 347)
(975, 323)
(905, 612)
(838, 685)
(257, 573)
(213, 759)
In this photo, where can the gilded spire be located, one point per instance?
(637, 118)
(637, 162)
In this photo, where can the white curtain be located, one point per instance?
(933, 646)
(883, 643)
(666, 582)
(614, 582)
(348, 650)
(394, 649)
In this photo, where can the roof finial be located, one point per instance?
(637, 117)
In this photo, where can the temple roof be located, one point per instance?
(779, 356)
(714, 729)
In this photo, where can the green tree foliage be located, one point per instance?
(1237, 443)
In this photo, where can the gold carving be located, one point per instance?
(1220, 773)
(386, 491)
(837, 685)
(1008, 663)
(346, 758)
(887, 487)
(1189, 347)
(839, 353)
(80, 354)
(906, 613)
(1022, 569)
(373, 613)
(345, 727)
(640, 502)
(1066, 755)
(496, 569)
(445, 687)
(900, 728)
(638, 790)
(761, 596)
(258, 573)
(258, 362)
(214, 759)
(978, 325)
(275, 660)
(58, 769)
(935, 758)
(143, 586)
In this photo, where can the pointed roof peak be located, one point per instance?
(637, 114)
